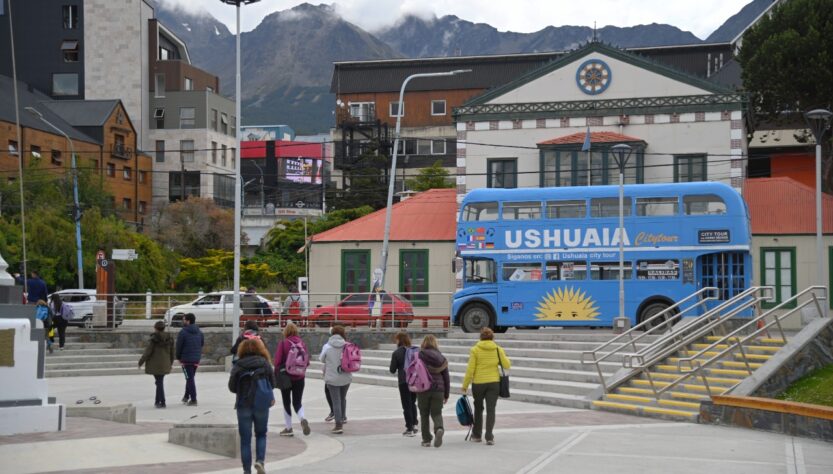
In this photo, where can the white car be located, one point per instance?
(216, 308)
(81, 302)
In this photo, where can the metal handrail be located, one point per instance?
(650, 329)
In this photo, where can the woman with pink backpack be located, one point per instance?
(338, 374)
(291, 361)
(431, 401)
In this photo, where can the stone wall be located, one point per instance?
(794, 419)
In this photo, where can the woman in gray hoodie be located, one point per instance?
(431, 402)
(337, 382)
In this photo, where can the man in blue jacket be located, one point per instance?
(189, 344)
(35, 285)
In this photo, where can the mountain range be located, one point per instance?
(286, 61)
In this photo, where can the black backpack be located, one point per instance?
(254, 389)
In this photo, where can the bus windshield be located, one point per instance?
(480, 270)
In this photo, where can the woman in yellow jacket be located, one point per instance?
(484, 376)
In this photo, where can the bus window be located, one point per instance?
(567, 270)
(480, 211)
(518, 211)
(609, 271)
(665, 206)
(521, 271)
(480, 270)
(566, 209)
(609, 207)
(658, 269)
(703, 205)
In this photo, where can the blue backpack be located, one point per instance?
(464, 414)
(257, 389)
(44, 314)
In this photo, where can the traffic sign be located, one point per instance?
(124, 254)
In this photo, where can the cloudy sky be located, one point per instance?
(701, 17)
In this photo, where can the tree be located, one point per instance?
(215, 271)
(787, 61)
(192, 226)
(433, 177)
(368, 185)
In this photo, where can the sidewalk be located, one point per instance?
(529, 438)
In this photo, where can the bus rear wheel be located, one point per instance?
(475, 318)
(652, 309)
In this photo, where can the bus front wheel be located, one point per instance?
(475, 318)
(652, 309)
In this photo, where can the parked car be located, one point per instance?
(358, 308)
(82, 301)
(216, 308)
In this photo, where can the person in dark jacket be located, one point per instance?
(431, 402)
(189, 344)
(406, 397)
(158, 358)
(295, 392)
(35, 286)
(253, 356)
(61, 313)
(251, 328)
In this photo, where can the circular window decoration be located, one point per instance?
(593, 76)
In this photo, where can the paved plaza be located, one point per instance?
(529, 438)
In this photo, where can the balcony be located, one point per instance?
(119, 150)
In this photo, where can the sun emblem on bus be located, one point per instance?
(567, 304)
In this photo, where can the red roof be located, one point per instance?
(595, 137)
(428, 216)
(785, 206)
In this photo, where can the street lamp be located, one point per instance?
(818, 120)
(393, 161)
(235, 330)
(621, 153)
(76, 210)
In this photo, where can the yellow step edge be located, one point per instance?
(687, 386)
(753, 356)
(688, 396)
(672, 368)
(739, 373)
(627, 398)
(669, 412)
(763, 348)
(741, 364)
(649, 392)
(621, 406)
(765, 340)
(679, 404)
(703, 346)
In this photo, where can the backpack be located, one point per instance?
(297, 360)
(254, 389)
(44, 314)
(294, 308)
(464, 414)
(417, 376)
(410, 353)
(351, 358)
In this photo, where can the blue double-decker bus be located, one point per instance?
(550, 256)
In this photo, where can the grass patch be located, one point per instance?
(815, 387)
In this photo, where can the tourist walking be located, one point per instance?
(62, 314)
(44, 314)
(406, 397)
(189, 344)
(252, 378)
(484, 376)
(336, 380)
(35, 286)
(157, 359)
(292, 357)
(250, 329)
(327, 395)
(431, 402)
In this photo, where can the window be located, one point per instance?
(179, 188)
(609, 271)
(688, 168)
(437, 107)
(521, 271)
(423, 147)
(111, 170)
(186, 151)
(413, 275)
(159, 113)
(394, 110)
(569, 167)
(143, 207)
(566, 209)
(480, 270)
(233, 156)
(119, 149)
(223, 155)
(658, 269)
(213, 153)
(355, 271)
(778, 270)
(186, 117)
(666, 206)
(363, 111)
(12, 148)
(224, 123)
(438, 147)
(233, 126)
(609, 207)
(127, 173)
(517, 211)
(703, 205)
(70, 16)
(35, 151)
(65, 84)
(142, 176)
(69, 49)
(160, 151)
(56, 158)
(567, 270)
(480, 211)
(214, 119)
(189, 84)
(502, 173)
(126, 204)
(159, 89)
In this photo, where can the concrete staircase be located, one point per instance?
(682, 403)
(546, 364)
(88, 358)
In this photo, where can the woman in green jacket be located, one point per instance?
(484, 376)
(158, 357)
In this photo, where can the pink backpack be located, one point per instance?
(417, 376)
(297, 360)
(351, 358)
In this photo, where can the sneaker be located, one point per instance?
(475, 439)
(337, 429)
(259, 467)
(50, 349)
(344, 422)
(490, 442)
(185, 400)
(159, 405)
(192, 403)
(330, 418)
(305, 426)
(415, 431)
(286, 432)
(409, 433)
(438, 437)
(426, 444)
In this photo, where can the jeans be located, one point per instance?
(430, 404)
(409, 409)
(488, 392)
(190, 386)
(296, 392)
(245, 417)
(339, 395)
(329, 399)
(61, 329)
(160, 389)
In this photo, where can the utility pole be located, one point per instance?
(181, 177)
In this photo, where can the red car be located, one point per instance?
(356, 309)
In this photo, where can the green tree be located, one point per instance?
(192, 226)
(215, 271)
(368, 184)
(433, 177)
(787, 61)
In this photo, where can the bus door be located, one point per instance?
(520, 285)
(725, 271)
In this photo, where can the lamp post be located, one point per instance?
(621, 153)
(235, 327)
(819, 121)
(76, 209)
(393, 161)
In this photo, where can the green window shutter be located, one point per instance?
(355, 271)
(413, 276)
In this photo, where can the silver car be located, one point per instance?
(216, 308)
(81, 302)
